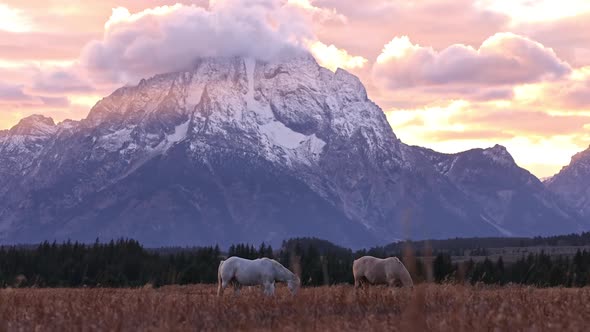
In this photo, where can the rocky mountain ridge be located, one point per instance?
(572, 183)
(236, 150)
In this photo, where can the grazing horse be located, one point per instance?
(380, 271)
(262, 271)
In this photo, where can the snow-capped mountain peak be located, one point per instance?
(499, 154)
(572, 183)
(34, 125)
(234, 149)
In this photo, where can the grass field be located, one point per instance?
(340, 308)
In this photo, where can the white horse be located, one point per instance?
(380, 271)
(262, 271)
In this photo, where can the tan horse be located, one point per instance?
(380, 271)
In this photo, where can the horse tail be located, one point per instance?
(219, 271)
(219, 281)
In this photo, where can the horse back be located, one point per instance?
(371, 268)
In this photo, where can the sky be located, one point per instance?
(450, 75)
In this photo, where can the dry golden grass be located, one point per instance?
(341, 308)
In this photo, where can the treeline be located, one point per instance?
(459, 246)
(125, 263)
(122, 263)
(541, 270)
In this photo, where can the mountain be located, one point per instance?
(572, 183)
(513, 200)
(237, 150)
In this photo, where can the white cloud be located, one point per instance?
(332, 57)
(502, 59)
(168, 38)
(321, 15)
(12, 19)
(535, 11)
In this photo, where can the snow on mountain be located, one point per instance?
(572, 183)
(236, 149)
(34, 125)
(513, 200)
(24, 142)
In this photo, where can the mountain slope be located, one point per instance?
(572, 183)
(513, 200)
(241, 150)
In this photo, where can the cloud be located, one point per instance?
(578, 96)
(55, 67)
(537, 10)
(55, 101)
(169, 38)
(63, 80)
(464, 116)
(33, 45)
(573, 93)
(504, 58)
(492, 95)
(321, 15)
(14, 96)
(370, 24)
(568, 95)
(523, 122)
(446, 135)
(568, 36)
(534, 138)
(12, 93)
(13, 19)
(332, 57)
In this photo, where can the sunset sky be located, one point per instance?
(450, 74)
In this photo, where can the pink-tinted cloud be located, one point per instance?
(319, 14)
(522, 122)
(59, 102)
(505, 93)
(447, 135)
(454, 62)
(59, 81)
(24, 46)
(471, 121)
(569, 37)
(502, 59)
(170, 38)
(578, 96)
(570, 94)
(438, 23)
(14, 96)
(67, 17)
(12, 93)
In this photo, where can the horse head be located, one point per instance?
(406, 279)
(294, 284)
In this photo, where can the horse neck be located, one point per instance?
(282, 273)
(405, 276)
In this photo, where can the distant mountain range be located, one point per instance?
(236, 150)
(572, 183)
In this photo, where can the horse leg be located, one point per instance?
(391, 282)
(236, 288)
(360, 282)
(268, 288)
(221, 287)
(357, 282)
